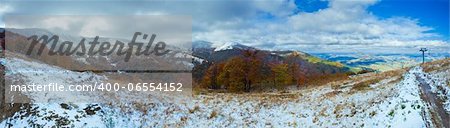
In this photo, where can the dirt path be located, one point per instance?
(438, 114)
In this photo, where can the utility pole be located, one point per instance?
(423, 50)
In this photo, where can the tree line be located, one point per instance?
(252, 69)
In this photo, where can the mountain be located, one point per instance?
(311, 65)
(201, 44)
(19, 43)
(200, 58)
(380, 62)
(418, 96)
(37, 31)
(388, 99)
(230, 46)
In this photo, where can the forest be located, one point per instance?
(251, 69)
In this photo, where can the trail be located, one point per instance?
(439, 116)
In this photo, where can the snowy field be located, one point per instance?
(392, 102)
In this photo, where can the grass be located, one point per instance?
(392, 113)
(373, 113)
(365, 84)
(314, 59)
(213, 114)
(366, 81)
(436, 65)
(325, 79)
(196, 108)
(448, 83)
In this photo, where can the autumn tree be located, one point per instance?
(280, 72)
(233, 74)
(242, 72)
(252, 68)
(298, 75)
(210, 79)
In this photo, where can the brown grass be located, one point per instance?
(448, 83)
(337, 110)
(332, 94)
(436, 65)
(326, 79)
(196, 108)
(365, 84)
(213, 114)
(365, 81)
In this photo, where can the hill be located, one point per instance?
(387, 99)
(299, 64)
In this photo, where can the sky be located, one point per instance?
(316, 26)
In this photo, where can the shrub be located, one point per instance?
(392, 113)
(212, 115)
(196, 108)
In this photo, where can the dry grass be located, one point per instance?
(213, 114)
(448, 83)
(326, 79)
(337, 110)
(366, 84)
(436, 65)
(363, 83)
(332, 94)
(196, 108)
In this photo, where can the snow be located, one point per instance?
(42, 74)
(385, 105)
(230, 45)
(225, 46)
(438, 81)
(53, 114)
(82, 59)
(409, 97)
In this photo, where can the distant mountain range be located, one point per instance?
(380, 62)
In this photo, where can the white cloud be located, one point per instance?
(343, 25)
(277, 7)
(93, 26)
(277, 24)
(4, 8)
(151, 13)
(62, 23)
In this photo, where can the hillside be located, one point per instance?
(204, 50)
(368, 100)
(18, 43)
(396, 98)
(309, 66)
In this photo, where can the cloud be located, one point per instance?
(4, 8)
(151, 13)
(278, 24)
(277, 8)
(343, 25)
(173, 30)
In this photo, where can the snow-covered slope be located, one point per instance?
(385, 104)
(231, 45)
(21, 71)
(438, 77)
